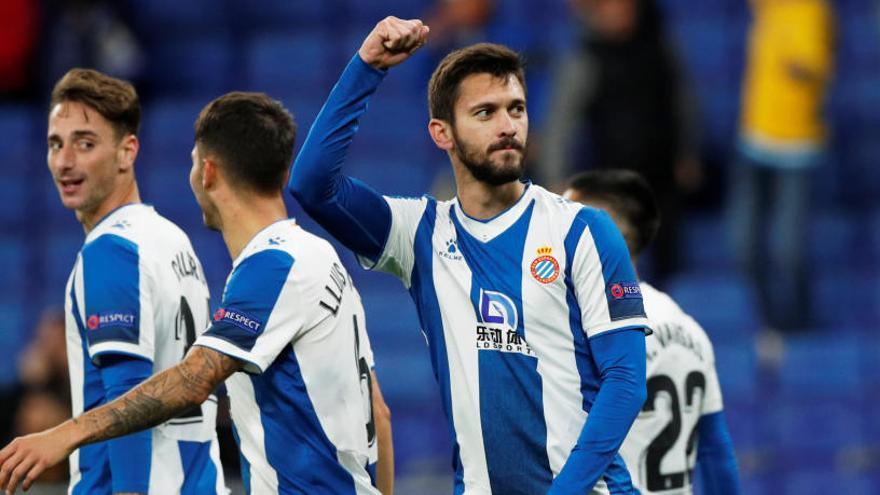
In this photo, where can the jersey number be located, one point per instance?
(366, 381)
(185, 327)
(664, 442)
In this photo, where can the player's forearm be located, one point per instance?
(149, 404)
(154, 401)
(716, 459)
(317, 167)
(350, 210)
(385, 464)
(621, 360)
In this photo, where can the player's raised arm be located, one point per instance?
(350, 210)
(156, 400)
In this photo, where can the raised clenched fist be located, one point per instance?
(392, 41)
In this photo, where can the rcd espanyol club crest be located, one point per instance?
(545, 268)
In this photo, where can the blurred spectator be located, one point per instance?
(458, 22)
(39, 411)
(19, 33)
(45, 400)
(93, 34)
(619, 102)
(782, 138)
(42, 366)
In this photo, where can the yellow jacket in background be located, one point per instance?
(787, 71)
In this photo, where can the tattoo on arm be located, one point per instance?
(161, 397)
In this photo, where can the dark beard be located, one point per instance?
(483, 170)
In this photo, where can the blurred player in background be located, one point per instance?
(529, 303)
(682, 421)
(289, 335)
(782, 140)
(136, 297)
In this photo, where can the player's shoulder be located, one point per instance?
(568, 212)
(285, 245)
(139, 224)
(664, 313)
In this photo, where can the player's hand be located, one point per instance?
(25, 459)
(392, 41)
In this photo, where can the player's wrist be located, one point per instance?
(70, 434)
(371, 59)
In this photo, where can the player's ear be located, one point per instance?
(128, 150)
(441, 133)
(210, 173)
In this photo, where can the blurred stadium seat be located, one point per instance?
(722, 303)
(291, 61)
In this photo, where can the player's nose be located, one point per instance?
(506, 125)
(65, 159)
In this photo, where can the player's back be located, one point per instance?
(137, 289)
(660, 450)
(301, 407)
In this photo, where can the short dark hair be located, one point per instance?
(482, 58)
(252, 136)
(116, 100)
(631, 198)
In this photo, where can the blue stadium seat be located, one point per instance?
(54, 214)
(60, 247)
(832, 235)
(168, 189)
(14, 191)
(737, 370)
(158, 18)
(201, 66)
(706, 246)
(858, 43)
(845, 295)
(394, 118)
(823, 364)
(281, 63)
(795, 427)
(167, 133)
(280, 15)
(15, 326)
(722, 303)
(214, 255)
(14, 251)
(810, 482)
(402, 178)
(17, 126)
(369, 13)
(427, 439)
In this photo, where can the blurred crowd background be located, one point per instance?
(758, 123)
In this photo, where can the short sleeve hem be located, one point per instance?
(625, 324)
(225, 347)
(96, 351)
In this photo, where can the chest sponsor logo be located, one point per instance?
(499, 320)
(111, 319)
(545, 268)
(625, 290)
(238, 318)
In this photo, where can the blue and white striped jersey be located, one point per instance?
(661, 448)
(301, 408)
(138, 289)
(508, 306)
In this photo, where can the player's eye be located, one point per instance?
(483, 113)
(84, 145)
(518, 110)
(54, 145)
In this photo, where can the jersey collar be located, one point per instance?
(486, 230)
